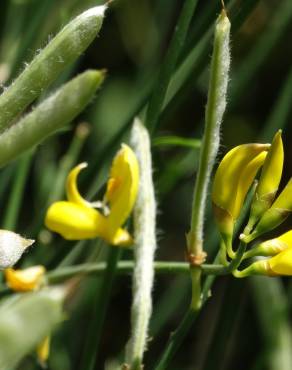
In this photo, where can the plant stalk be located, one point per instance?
(214, 113)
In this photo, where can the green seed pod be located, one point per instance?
(49, 116)
(61, 51)
(25, 320)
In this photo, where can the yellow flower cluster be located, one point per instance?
(233, 180)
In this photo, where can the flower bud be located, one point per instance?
(269, 180)
(25, 280)
(233, 179)
(12, 247)
(280, 210)
(274, 246)
(281, 264)
(260, 267)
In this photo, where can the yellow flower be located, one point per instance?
(232, 181)
(269, 180)
(274, 246)
(25, 280)
(280, 264)
(274, 216)
(77, 219)
(272, 170)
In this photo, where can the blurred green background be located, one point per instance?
(246, 323)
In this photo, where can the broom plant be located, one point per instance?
(72, 242)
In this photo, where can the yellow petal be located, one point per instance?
(286, 238)
(245, 181)
(122, 187)
(43, 350)
(268, 182)
(275, 215)
(284, 200)
(281, 264)
(274, 246)
(25, 280)
(228, 176)
(121, 238)
(72, 191)
(272, 170)
(74, 221)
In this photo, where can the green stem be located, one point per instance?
(126, 267)
(169, 64)
(99, 310)
(210, 144)
(51, 115)
(214, 112)
(14, 202)
(176, 141)
(178, 336)
(196, 301)
(254, 252)
(176, 339)
(233, 265)
(66, 47)
(222, 254)
(211, 271)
